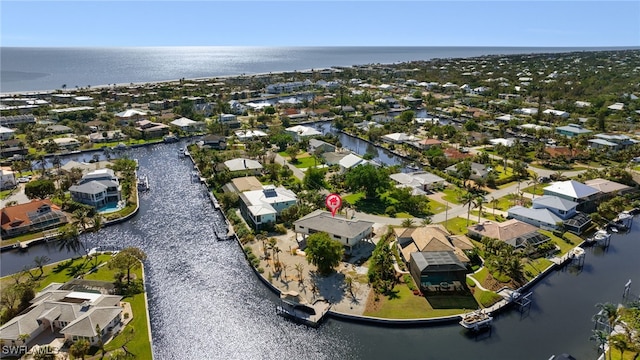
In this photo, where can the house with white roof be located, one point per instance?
(349, 232)
(616, 107)
(398, 138)
(574, 191)
(229, 120)
(7, 178)
(131, 115)
(246, 135)
(242, 164)
(552, 212)
(506, 142)
(316, 145)
(350, 161)
(6, 133)
(419, 181)
(186, 124)
(261, 207)
(557, 113)
(299, 131)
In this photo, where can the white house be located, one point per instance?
(7, 178)
(242, 164)
(397, 138)
(350, 161)
(75, 314)
(261, 207)
(421, 181)
(245, 135)
(298, 132)
(6, 133)
(187, 124)
(557, 113)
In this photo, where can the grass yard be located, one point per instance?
(452, 195)
(569, 242)
(378, 206)
(458, 225)
(487, 214)
(436, 207)
(405, 305)
(539, 189)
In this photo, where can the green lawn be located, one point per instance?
(406, 305)
(378, 206)
(571, 241)
(436, 207)
(305, 162)
(539, 189)
(5, 193)
(507, 201)
(458, 225)
(452, 195)
(487, 214)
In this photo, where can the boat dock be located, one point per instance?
(294, 307)
(476, 320)
(143, 183)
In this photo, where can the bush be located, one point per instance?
(409, 281)
(391, 211)
(280, 229)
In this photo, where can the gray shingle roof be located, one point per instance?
(323, 221)
(554, 202)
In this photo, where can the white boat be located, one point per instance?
(600, 235)
(143, 183)
(475, 320)
(186, 152)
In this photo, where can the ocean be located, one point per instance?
(25, 69)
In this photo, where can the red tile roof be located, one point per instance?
(20, 212)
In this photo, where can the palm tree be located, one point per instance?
(468, 200)
(69, 238)
(609, 312)
(408, 223)
(535, 180)
(600, 336)
(40, 262)
(427, 220)
(494, 203)
(620, 342)
(79, 217)
(300, 269)
(479, 200)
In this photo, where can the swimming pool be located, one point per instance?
(109, 208)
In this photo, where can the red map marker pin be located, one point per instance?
(333, 202)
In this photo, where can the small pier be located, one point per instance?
(297, 309)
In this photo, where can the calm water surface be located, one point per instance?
(205, 302)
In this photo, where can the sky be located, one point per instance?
(319, 23)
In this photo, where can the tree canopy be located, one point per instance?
(323, 252)
(368, 178)
(39, 189)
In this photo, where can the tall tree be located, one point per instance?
(39, 189)
(323, 252)
(468, 199)
(128, 259)
(367, 178)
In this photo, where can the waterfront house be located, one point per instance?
(242, 184)
(242, 164)
(229, 120)
(299, 132)
(214, 142)
(421, 181)
(319, 146)
(187, 125)
(428, 238)
(575, 191)
(608, 188)
(97, 188)
(349, 232)
(437, 270)
(542, 218)
(426, 144)
(36, 215)
(513, 232)
(107, 136)
(261, 207)
(74, 314)
(572, 130)
(350, 161)
(151, 129)
(398, 138)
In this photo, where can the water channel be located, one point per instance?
(206, 303)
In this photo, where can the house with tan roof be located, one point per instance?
(37, 215)
(513, 232)
(427, 238)
(242, 184)
(609, 188)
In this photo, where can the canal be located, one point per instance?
(205, 301)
